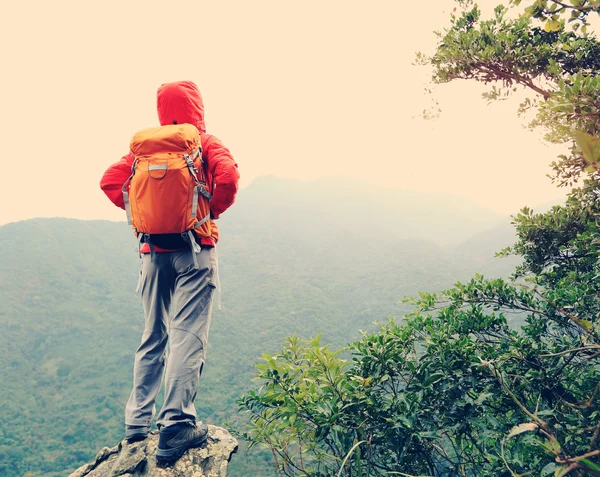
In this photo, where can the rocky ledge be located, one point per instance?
(137, 459)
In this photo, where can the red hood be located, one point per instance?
(179, 103)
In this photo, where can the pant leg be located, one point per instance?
(191, 309)
(157, 284)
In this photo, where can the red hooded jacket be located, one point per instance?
(178, 103)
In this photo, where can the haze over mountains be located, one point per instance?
(369, 212)
(326, 256)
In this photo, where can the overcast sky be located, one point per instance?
(295, 89)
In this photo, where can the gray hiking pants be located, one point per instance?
(177, 301)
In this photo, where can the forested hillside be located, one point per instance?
(312, 258)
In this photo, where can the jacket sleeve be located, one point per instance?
(223, 170)
(113, 179)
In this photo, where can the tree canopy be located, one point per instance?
(547, 48)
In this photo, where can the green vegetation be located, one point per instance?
(72, 321)
(453, 390)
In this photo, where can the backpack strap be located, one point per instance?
(196, 249)
(200, 188)
(140, 241)
(140, 236)
(201, 185)
(219, 307)
(204, 220)
(193, 211)
(148, 239)
(125, 192)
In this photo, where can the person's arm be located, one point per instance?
(223, 170)
(113, 179)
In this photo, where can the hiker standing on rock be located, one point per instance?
(174, 183)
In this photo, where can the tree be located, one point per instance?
(456, 389)
(537, 51)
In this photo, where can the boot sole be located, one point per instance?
(171, 455)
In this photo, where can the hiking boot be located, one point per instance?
(175, 440)
(136, 433)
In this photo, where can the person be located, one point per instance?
(177, 293)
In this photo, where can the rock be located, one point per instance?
(137, 459)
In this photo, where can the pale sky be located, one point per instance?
(295, 89)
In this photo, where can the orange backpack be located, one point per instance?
(166, 192)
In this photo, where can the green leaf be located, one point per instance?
(434, 378)
(590, 148)
(590, 465)
(585, 324)
(552, 25)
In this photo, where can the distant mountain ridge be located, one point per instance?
(367, 210)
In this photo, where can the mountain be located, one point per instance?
(306, 258)
(364, 210)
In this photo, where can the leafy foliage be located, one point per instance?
(535, 51)
(437, 394)
(576, 11)
(453, 390)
